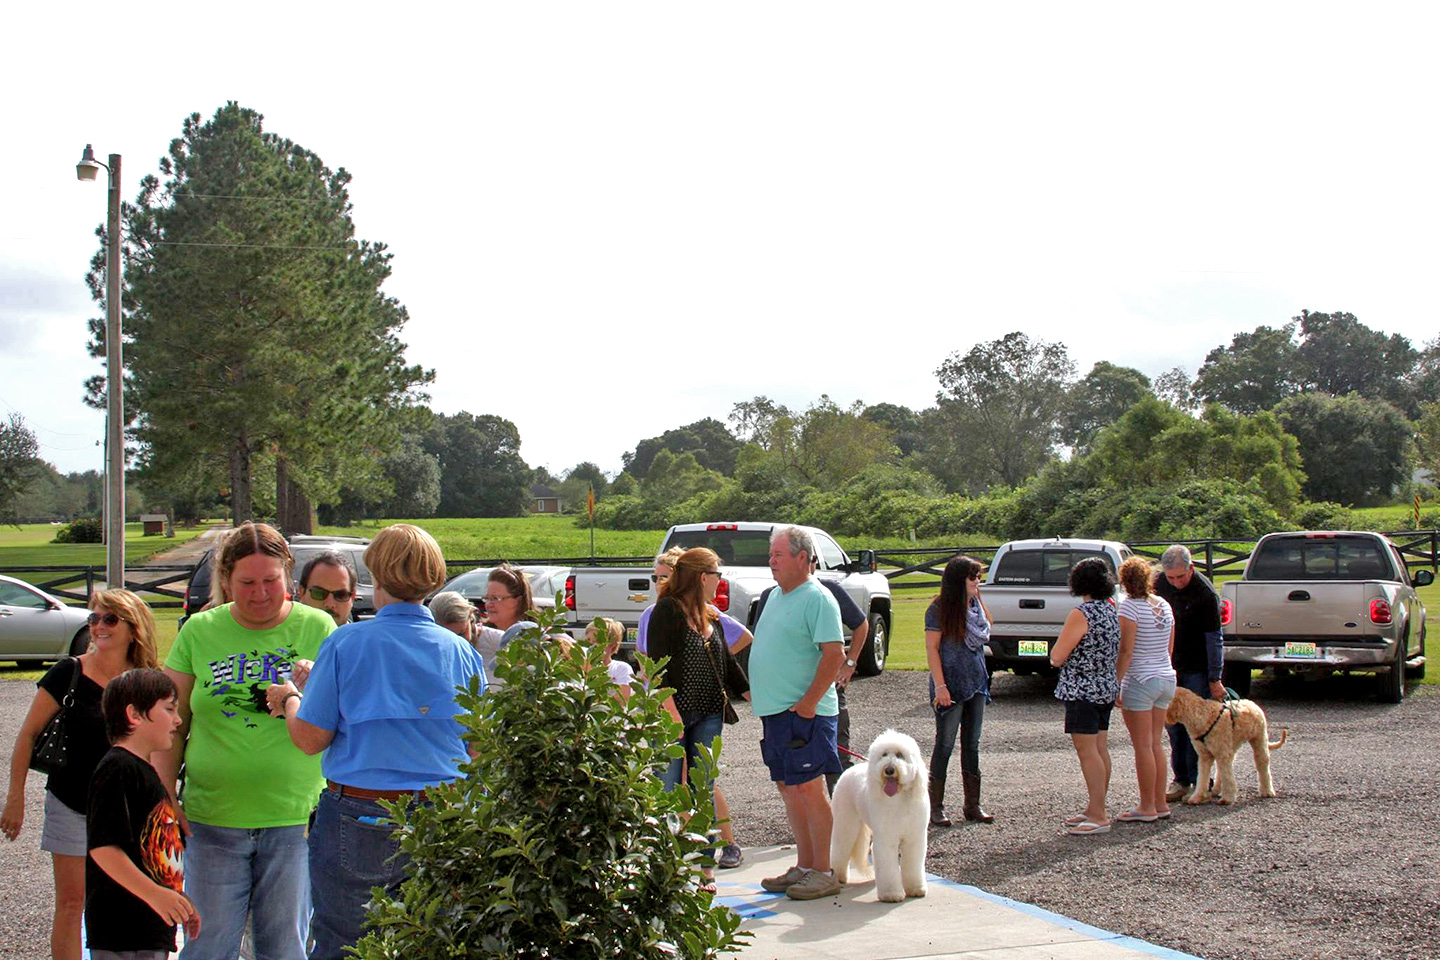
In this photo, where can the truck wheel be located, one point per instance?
(1237, 677)
(1392, 681)
(81, 643)
(872, 658)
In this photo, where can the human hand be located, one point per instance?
(300, 672)
(804, 710)
(1217, 689)
(174, 907)
(843, 675)
(276, 696)
(14, 816)
(192, 926)
(942, 697)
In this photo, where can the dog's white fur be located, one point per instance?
(899, 823)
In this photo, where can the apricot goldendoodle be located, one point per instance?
(1217, 730)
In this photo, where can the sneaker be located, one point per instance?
(783, 882)
(816, 884)
(1177, 791)
(731, 856)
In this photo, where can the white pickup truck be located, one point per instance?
(622, 593)
(1028, 595)
(1320, 601)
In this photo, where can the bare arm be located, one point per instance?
(1128, 630)
(167, 763)
(937, 674)
(832, 655)
(172, 905)
(857, 643)
(42, 708)
(284, 700)
(1070, 636)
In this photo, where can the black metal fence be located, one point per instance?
(909, 568)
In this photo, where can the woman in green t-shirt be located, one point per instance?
(248, 791)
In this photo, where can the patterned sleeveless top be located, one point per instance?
(1089, 674)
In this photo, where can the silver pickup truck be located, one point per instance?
(1316, 602)
(622, 593)
(1028, 595)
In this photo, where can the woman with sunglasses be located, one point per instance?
(248, 790)
(507, 598)
(122, 636)
(957, 627)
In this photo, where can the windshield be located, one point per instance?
(1320, 558)
(1046, 567)
(357, 557)
(737, 548)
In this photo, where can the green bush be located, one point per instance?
(1323, 515)
(84, 530)
(558, 842)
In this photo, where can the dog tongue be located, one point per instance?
(892, 787)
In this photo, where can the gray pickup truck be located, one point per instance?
(1315, 602)
(1028, 595)
(622, 593)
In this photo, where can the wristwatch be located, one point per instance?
(849, 662)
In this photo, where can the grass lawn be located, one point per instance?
(30, 546)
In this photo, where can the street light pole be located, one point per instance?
(114, 376)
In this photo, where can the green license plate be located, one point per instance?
(1300, 650)
(632, 633)
(1034, 648)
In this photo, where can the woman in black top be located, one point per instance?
(685, 628)
(122, 636)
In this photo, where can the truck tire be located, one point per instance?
(872, 659)
(1392, 681)
(1237, 677)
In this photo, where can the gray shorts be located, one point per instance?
(64, 831)
(1138, 696)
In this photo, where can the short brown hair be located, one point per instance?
(140, 688)
(247, 540)
(516, 584)
(406, 562)
(136, 612)
(1136, 576)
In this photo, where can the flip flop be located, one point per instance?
(709, 887)
(1135, 816)
(1075, 820)
(1163, 815)
(1086, 828)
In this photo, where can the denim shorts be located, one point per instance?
(798, 750)
(1082, 716)
(1154, 693)
(64, 830)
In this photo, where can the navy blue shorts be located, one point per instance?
(798, 750)
(1084, 717)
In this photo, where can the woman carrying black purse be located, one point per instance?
(122, 637)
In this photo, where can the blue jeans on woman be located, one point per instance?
(234, 871)
(350, 852)
(966, 717)
(704, 730)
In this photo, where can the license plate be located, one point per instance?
(632, 633)
(1034, 648)
(1301, 651)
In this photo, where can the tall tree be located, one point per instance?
(254, 319)
(1355, 448)
(18, 463)
(999, 406)
(710, 440)
(1255, 372)
(481, 473)
(1173, 386)
(1338, 355)
(1099, 399)
(903, 424)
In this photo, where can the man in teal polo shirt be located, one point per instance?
(797, 652)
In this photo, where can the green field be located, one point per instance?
(30, 546)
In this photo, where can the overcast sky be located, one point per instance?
(609, 220)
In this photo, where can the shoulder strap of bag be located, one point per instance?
(69, 698)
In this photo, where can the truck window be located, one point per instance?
(831, 556)
(738, 548)
(1320, 558)
(1043, 567)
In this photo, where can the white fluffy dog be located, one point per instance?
(886, 796)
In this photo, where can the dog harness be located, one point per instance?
(1224, 709)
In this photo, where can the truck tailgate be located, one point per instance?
(1302, 608)
(1022, 611)
(620, 593)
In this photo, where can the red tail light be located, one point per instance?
(722, 595)
(570, 592)
(1227, 613)
(1379, 611)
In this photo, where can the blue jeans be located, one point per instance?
(348, 856)
(1184, 761)
(704, 730)
(966, 717)
(232, 871)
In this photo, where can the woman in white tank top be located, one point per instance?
(1147, 683)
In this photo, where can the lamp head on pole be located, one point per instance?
(88, 167)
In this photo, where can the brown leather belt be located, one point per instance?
(360, 793)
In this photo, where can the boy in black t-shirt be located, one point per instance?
(134, 873)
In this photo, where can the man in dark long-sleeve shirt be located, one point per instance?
(1199, 651)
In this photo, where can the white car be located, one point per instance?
(34, 626)
(545, 582)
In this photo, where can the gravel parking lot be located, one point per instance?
(1341, 864)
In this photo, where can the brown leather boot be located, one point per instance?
(937, 804)
(971, 783)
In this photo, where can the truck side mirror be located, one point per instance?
(1423, 578)
(865, 562)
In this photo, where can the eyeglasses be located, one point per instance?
(318, 594)
(498, 599)
(659, 577)
(109, 619)
(976, 576)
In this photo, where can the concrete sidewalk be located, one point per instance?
(952, 921)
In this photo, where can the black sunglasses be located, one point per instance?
(109, 619)
(318, 594)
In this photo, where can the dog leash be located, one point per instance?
(857, 756)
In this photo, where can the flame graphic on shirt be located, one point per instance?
(162, 850)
